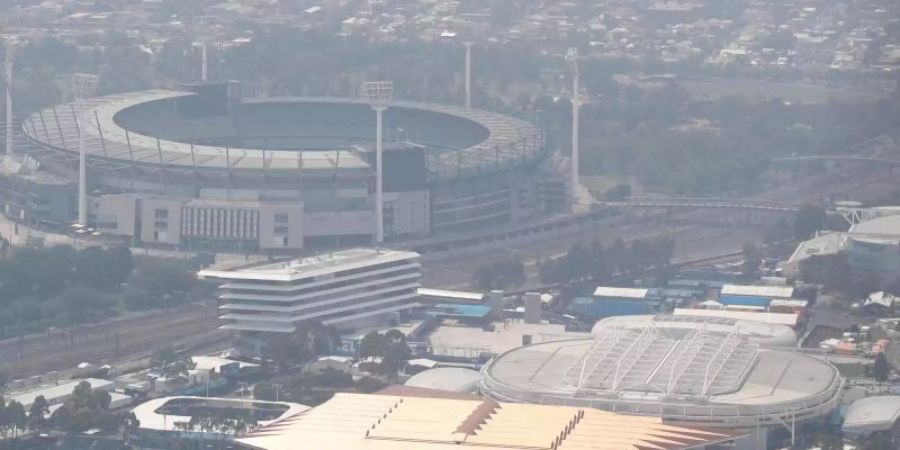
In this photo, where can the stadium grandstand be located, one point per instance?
(405, 418)
(871, 245)
(202, 168)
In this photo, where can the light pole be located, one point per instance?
(572, 59)
(8, 65)
(204, 63)
(83, 87)
(468, 45)
(379, 95)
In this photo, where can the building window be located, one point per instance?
(281, 230)
(161, 214)
(281, 218)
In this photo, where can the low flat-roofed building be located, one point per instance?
(417, 420)
(428, 295)
(453, 339)
(789, 305)
(620, 292)
(872, 415)
(758, 291)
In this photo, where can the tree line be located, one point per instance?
(602, 263)
(501, 274)
(84, 410)
(60, 286)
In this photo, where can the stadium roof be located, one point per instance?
(871, 414)
(765, 334)
(605, 291)
(392, 422)
(107, 138)
(759, 291)
(705, 374)
(312, 266)
(888, 227)
(788, 319)
(669, 361)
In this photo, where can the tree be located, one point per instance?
(264, 391)
(14, 418)
(808, 220)
(37, 414)
(368, 385)
(499, 275)
(830, 440)
(391, 347)
(397, 352)
(166, 282)
(372, 344)
(130, 423)
(831, 271)
(618, 192)
(752, 260)
(85, 409)
(879, 440)
(4, 379)
(882, 368)
(79, 304)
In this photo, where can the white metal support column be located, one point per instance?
(468, 45)
(82, 174)
(572, 58)
(204, 68)
(379, 95)
(379, 175)
(84, 86)
(8, 64)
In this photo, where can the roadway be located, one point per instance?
(138, 335)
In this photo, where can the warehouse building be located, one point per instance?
(753, 296)
(614, 301)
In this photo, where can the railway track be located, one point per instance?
(140, 336)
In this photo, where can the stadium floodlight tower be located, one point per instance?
(468, 45)
(8, 66)
(572, 59)
(379, 95)
(204, 63)
(83, 86)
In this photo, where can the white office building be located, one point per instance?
(347, 289)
